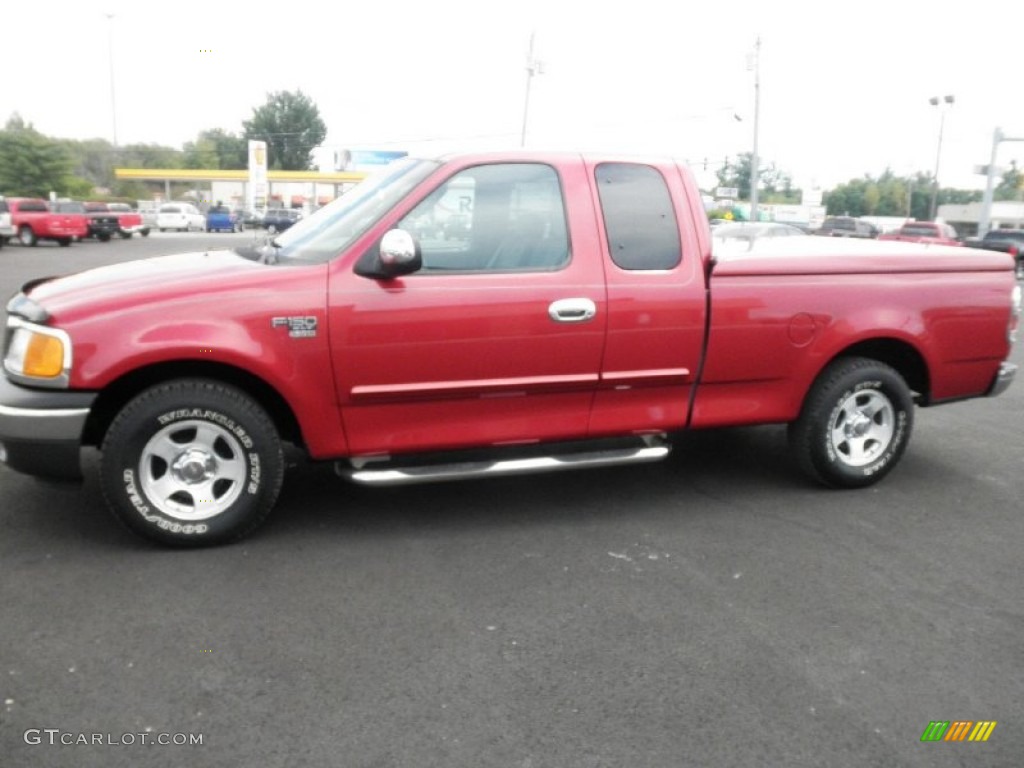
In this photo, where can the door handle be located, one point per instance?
(572, 310)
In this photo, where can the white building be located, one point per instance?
(1006, 214)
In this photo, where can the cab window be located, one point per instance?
(492, 218)
(639, 219)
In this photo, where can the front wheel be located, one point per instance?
(64, 242)
(126, 235)
(855, 424)
(192, 462)
(27, 237)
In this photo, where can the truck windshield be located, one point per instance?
(326, 233)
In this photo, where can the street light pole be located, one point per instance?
(533, 67)
(755, 171)
(110, 58)
(986, 205)
(935, 102)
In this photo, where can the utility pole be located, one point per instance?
(986, 205)
(936, 102)
(754, 169)
(533, 67)
(110, 58)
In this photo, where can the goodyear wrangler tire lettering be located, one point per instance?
(192, 462)
(855, 424)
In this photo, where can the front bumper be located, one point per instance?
(103, 228)
(1003, 379)
(41, 431)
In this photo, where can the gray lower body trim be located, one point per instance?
(1003, 379)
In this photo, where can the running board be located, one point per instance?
(391, 472)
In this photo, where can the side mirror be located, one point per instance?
(398, 254)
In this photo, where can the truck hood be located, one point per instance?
(827, 255)
(163, 278)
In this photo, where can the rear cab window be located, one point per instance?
(33, 206)
(639, 218)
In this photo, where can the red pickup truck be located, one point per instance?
(33, 221)
(578, 318)
(929, 232)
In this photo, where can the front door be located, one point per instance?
(497, 339)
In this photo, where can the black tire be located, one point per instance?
(64, 242)
(125, 235)
(188, 437)
(27, 237)
(855, 424)
(145, 232)
(104, 237)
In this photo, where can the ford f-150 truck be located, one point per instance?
(579, 318)
(33, 221)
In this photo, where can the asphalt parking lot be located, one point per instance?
(711, 610)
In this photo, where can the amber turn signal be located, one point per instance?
(44, 356)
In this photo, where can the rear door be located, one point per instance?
(656, 297)
(498, 338)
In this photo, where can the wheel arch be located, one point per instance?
(899, 354)
(119, 392)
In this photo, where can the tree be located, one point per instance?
(31, 165)
(1012, 184)
(889, 195)
(92, 160)
(216, 148)
(291, 125)
(776, 186)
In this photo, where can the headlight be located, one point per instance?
(37, 354)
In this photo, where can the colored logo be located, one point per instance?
(958, 730)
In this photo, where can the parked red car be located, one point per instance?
(934, 232)
(33, 221)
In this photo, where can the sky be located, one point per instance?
(844, 87)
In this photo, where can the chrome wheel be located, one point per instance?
(862, 427)
(192, 470)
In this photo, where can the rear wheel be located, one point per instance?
(27, 237)
(192, 462)
(64, 242)
(855, 424)
(103, 237)
(126, 235)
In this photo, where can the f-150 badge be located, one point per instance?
(298, 327)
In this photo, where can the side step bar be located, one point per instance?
(390, 472)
